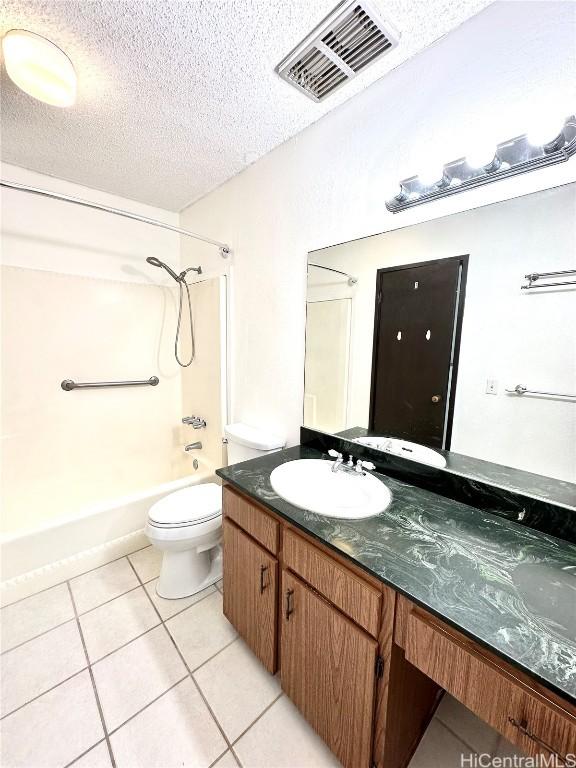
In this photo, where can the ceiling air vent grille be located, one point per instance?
(349, 39)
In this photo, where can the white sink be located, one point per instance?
(310, 484)
(404, 448)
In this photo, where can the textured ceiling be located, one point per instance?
(176, 97)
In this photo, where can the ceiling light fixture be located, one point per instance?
(482, 166)
(39, 67)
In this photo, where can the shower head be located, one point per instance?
(157, 263)
(179, 278)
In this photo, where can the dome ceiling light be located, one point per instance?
(39, 67)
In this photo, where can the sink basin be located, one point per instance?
(310, 484)
(405, 449)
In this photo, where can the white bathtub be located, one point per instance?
(35, 559)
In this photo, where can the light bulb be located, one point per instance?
(39, 68)
(430, 173)
(544, 129)
(481, 155)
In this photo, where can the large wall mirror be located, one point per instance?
(425, 334)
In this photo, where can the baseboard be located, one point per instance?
(55, 573)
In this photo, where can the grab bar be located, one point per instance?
(68, 385)
(521, 390)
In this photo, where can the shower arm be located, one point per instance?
(182, 275)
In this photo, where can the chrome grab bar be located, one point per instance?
(68, 385)
(519, 389)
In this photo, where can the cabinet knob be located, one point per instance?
(436, 398)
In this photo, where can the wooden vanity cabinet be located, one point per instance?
(526, 713)
(328, 669)
(251, 593)
(364, 665)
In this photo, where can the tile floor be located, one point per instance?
(100, 672)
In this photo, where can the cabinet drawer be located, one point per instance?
(251, 518)
(348, 592)
(525, 717)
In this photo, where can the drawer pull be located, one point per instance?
(263, 569)
(289, 608)
(522, 726)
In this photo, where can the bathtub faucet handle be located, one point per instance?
(194, 421)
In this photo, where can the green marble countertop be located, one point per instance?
(511, 588)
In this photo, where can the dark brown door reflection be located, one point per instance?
(416, 342)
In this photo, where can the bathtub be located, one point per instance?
(38, 558)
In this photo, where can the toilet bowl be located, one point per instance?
(187, 527)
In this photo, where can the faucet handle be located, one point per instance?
(362, 465)
(334, 454)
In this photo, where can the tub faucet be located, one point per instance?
(193, 446)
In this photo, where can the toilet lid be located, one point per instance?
(195, 504)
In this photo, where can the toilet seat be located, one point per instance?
(187, 507)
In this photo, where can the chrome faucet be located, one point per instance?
(341, 466)
(193, 446)
(194, 421)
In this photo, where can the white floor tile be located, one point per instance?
(98, 757)
(115, 623)
(40, 664)
(168, 608)
(105, 583)
(147, 563)
(473, 731)
(27, 618)
(176, 730)
(439, 748)
(202, 630)
(237, 688)
(135, 675)
(283, 739)
(227, 761)
(53, 730)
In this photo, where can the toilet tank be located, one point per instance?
(246, 442)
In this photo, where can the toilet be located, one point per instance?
(187, 525)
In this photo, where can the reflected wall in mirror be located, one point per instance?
(418, 333)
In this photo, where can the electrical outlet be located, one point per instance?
(491, 387)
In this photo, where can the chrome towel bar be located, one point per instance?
(68, 385)
(521, 390)
(534, 277)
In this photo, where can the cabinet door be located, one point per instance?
(328, 670)
(250, 592)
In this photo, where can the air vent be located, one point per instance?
(347, 41)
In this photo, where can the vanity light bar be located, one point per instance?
(511, 158)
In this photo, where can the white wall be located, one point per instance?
(509, 335)
(329, 184)
(51, 235)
